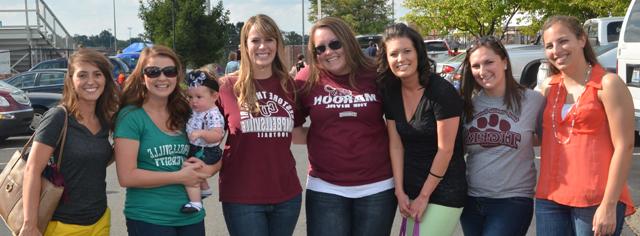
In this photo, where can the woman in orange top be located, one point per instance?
(587, 139)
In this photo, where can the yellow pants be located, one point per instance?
(100, 228)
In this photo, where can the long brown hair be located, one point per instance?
(355, 58)
(573, 24)
(135, 92)
(107, 103)
(245, 88)
(513, 91)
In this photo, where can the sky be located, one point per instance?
(90, 17)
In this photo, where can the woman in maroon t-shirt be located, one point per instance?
(350, 183)
(259, 187)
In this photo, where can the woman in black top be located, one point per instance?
(89, 96)
(423, 119)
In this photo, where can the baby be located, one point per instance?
(205, 129)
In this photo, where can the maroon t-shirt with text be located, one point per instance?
(347, 140)
(257, 164)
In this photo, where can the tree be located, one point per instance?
(292, 38)
(491, 17)
(234, 34)
(364, 16)
(540, 10)
(200, 37)
(477, 17)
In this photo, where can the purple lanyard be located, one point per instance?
(403, 228)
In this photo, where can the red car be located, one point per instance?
(15, 111)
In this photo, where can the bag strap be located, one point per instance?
(61, 138)
(403, 227)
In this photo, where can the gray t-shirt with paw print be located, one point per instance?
(499, 144)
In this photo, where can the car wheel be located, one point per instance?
(529, 76)
(38, 114)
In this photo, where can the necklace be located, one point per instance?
(574, 109)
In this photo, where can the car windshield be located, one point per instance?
(632, 30)
(436, 46)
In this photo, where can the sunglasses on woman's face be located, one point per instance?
(334, 45)
(154, 71)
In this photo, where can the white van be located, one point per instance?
(602, 31)
(629, 54)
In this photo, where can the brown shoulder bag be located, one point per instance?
(11, 209)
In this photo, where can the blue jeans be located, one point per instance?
(557, 219)
(329, 214)
(139, 228)
(262, 219)
(496, 216)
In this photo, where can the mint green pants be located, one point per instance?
(437, 220)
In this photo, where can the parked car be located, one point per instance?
(15, 111)
(628, 56)
(58, 63)
(438, 50)
(62, 63)
(41, 103)
(119, 65)
(363, 40)
(42, 80)
(447, 68)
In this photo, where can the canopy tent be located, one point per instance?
(136, 47)
(131, 53)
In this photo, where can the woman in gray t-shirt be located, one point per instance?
(501, 120)
(89, 99)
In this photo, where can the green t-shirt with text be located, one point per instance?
(158, 151)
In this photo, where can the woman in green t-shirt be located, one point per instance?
(150, 146)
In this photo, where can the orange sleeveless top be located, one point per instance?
(575, 174)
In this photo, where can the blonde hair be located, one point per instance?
(245, 88)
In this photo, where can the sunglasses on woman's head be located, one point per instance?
(334, 45)
(154, 71)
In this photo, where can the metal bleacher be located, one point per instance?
(30, 33)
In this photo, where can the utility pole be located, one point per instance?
(173, 22)
(129, 34)
(115, 39)
(393, 11)
(319, 9)
(302, 27)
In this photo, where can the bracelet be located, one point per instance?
(434, 175)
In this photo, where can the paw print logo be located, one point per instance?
(492, 131)
(493, 122)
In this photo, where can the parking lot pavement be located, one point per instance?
(214, 221)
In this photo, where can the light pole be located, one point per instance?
(129, 34)
(173, 22)
(319, 9)
(303, 51)
(393, 11)
(115, 39)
